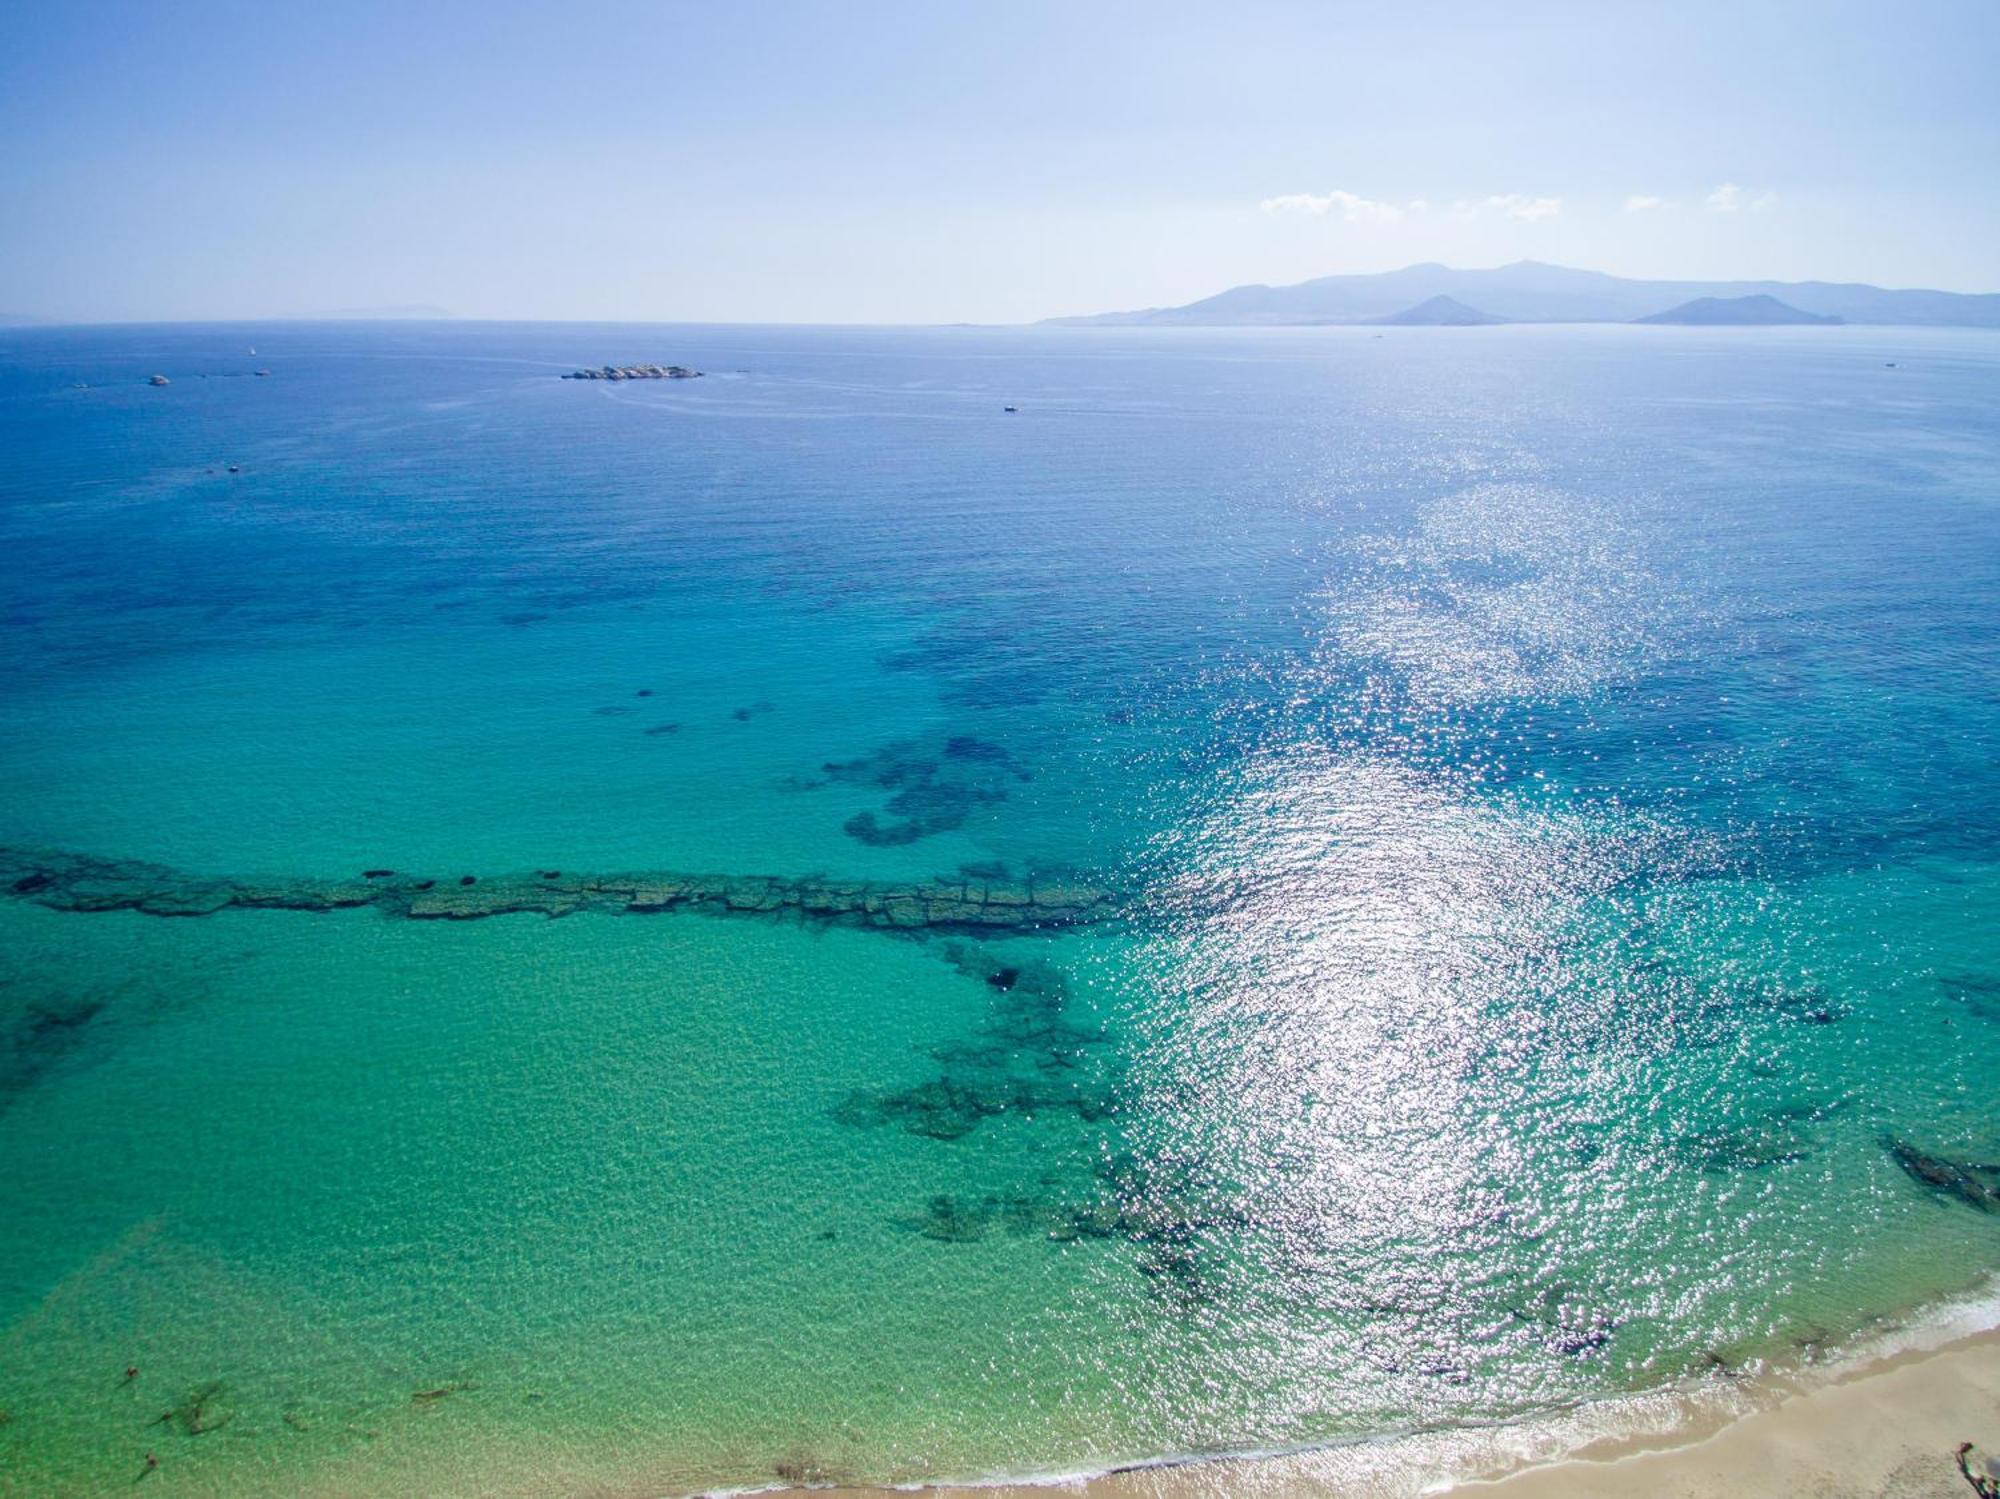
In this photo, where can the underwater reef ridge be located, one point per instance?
(66, 881)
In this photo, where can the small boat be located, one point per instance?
(263, 372)
(158, 380)
(1010, 408)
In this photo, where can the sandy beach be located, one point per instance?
(1882, 1426)
(1887, 1432)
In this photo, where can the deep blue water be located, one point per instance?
(1549, 772)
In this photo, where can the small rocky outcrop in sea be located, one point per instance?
(636, 372)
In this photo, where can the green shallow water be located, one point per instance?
(621, 1214)
(1549, 804)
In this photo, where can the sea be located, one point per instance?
(1534, 791)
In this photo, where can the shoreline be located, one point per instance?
(1881, 1422)
(1886, 1429)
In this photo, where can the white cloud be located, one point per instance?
(1513, 205)
(1355, 209)
(1729, 198)
(1351, 207)
(1643, 203)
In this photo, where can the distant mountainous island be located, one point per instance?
(1531, 292)
(1736, 312)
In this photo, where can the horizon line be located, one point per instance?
(35, 320)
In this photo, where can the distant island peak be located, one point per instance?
(1441, 312)
(1762, 311)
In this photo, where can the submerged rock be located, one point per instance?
(1974, 1183)
(439, 1392)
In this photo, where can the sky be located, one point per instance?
(979, 162)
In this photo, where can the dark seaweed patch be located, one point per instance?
(1810, 1005)
(1701, 1012)
(965, 747)
(1030, 1055)
(1752, 1147)
(933, 791)
(1174, 1228)
(46, 1032)
(804, 1471)
(933, 807)
(1564, 1325)
(1977, 993)
(1027, 1057)
(953, 1105)
(199, 1412)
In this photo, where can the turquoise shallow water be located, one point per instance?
(1546, 776)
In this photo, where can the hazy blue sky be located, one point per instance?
(1003, 160)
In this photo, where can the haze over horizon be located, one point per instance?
(914, 165)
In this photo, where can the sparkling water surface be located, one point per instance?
(1546, 775)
